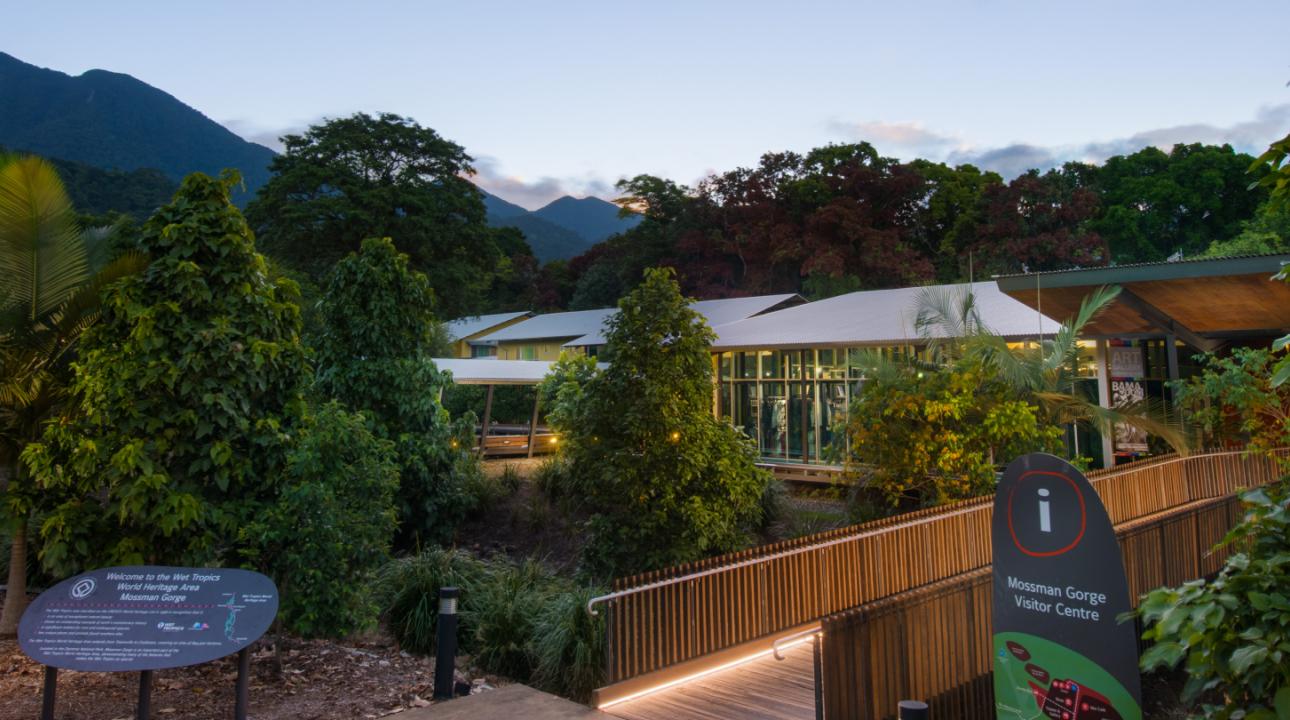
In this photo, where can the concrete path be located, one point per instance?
(510, 702)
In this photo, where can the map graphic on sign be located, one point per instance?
(1035, 679)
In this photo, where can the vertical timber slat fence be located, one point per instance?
(659, 619)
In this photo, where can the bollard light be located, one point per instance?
(445, 657)
(913, 710)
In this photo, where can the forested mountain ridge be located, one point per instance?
(562, 229)
(115, 121)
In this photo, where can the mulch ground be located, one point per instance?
(320, 680)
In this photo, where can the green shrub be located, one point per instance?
(1233, 632)
(503, 612)
(331, 526)
(774, 502)
(569, 645)
(408, 593)
(511, 479)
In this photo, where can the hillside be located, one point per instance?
(590, 217)
(548, 240)
(110, 120)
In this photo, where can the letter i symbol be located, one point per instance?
(1045, 518)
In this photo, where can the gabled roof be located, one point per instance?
(875, 317)
(554, 326)
(467, 326)
(716, 312)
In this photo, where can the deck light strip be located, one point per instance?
(704, 673)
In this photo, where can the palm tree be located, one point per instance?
(948, 321)
(51, 275)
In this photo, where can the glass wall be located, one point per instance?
(792, 402)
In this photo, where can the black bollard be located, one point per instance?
(51, 689)
(913, 710)
(445, 656)
(145, 695)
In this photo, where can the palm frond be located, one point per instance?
(1066, 344)
(1146, 415)
(42, 256)
(945, 317)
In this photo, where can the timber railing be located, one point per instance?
(934, 643)
(674, 617)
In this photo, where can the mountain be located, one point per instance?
(548, 240)
(110, 120)
(592, 218)
(563, 229)
(95, 191)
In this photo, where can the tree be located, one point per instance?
(1268, 232)
(385, 176)
(1156, 203)
(184, 400)
(1037, 222)
(330, 527)
(374, 356)
(666, 481)
(923, 435)
(51, 273)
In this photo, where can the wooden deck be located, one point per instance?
(760, 689)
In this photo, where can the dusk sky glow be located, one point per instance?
(566, 97)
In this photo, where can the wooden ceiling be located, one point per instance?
(1214, 305)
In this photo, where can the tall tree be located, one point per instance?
(51, 273)
(184, 398)
(1037, 222)
(1157, 203)
(666, 480)
(374, 356)
(379, 176)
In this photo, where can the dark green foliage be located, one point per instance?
(407, 590)
(667, 482)
(374, 356)
(136, 193)
(569, 645)
(1267, 232)
(330, 527)
(504, 611)
(361, 177)
(184, 399)
(1233, 401)
(1233, 633)
(111, 120)
(1157, 203)
(512, 404)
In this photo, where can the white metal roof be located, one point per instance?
(554, 326)
(491, 371)
(875, 317)
(716, 312)
(467, 326)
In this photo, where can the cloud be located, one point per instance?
(904, 135)
(533, 194)
(910, 139)
(269, 137)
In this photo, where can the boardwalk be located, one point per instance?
(760, 689)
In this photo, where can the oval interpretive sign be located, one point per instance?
(147, 618)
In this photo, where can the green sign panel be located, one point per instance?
(1059, 585)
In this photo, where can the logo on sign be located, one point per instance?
(1046, 514)
(83, 588)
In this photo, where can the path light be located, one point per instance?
(554, 439)
(676, 435)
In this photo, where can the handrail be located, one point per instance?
(980, 502)
(794, 639)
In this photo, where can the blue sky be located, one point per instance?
(567, 97)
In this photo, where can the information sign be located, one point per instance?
(1059, 586)
(147, 618)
